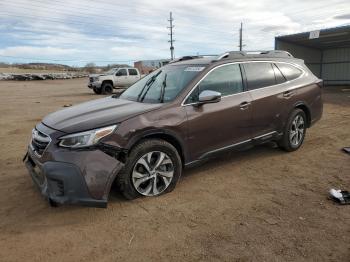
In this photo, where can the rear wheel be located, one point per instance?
(294, 132)
(152, 168)
(107, 88)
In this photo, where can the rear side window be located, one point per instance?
(290, 72)
(226, 80)
(259, 74)
(132, 72)
(279, 77)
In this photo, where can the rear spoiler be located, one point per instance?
(319, 82)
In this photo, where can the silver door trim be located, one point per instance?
(243, 62)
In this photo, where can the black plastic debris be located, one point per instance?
(340, 196)
(346, 149)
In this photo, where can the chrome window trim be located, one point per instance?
(243, 62)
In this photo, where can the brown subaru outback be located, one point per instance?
(177, 116)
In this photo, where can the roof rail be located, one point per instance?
(183, 58)
(257, 54)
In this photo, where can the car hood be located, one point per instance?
(96, 75)
(96, 113)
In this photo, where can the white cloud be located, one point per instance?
(30, 51)
(86, 30)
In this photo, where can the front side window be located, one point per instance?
(290, 72)
(259, 74)
(226, 80)
(121, 72)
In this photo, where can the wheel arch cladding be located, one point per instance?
(166, 137)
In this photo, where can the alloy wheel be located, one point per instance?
(152, 173)
(297, 130)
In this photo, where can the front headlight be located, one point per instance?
(87, 138)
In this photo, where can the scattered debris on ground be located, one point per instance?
(346, 149)
(340, 196)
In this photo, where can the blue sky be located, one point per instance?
(106, 31)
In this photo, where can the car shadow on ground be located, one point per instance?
(231, 157)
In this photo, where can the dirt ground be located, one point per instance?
(257, 205)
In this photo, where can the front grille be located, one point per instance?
(40, 141)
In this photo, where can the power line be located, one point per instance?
(171, 41)
(140, 8)
(86, 16)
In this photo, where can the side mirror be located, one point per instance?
(208, 96)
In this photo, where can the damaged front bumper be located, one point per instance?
(67, 176)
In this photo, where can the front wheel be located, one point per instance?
(294, 132)
(152, 168)
(107, 88)
(97, 91)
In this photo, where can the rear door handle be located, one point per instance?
(288, 94)
(244, 105)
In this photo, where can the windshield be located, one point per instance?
(111, 71)
(162, 85)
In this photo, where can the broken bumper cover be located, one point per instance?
(66, 183)
(61, 183)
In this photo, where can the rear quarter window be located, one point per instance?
(290, 72)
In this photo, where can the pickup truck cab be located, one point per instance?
(115, 77)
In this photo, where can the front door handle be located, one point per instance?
(244, 105)
(288, 93)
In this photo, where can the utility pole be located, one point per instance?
(171, 41)
(240, 37)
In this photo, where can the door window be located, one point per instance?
(121, 72)
(290, 72)
(279, 77)
(259, 74)
(132, 72)
(226, 80)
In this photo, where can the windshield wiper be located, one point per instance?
(148, 85)
(162, 91)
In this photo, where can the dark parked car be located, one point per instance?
(177, 116)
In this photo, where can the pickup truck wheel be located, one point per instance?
(107, 88)
(152, 168)
(97, 91)
(294, 131)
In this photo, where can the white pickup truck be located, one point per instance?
(115, 77)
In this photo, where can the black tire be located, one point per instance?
(97, 91)
(53, 203)
(107, 88)
(124, 178)
(286, 142)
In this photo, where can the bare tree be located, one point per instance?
(90, 67)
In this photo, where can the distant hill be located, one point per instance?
(90, 67)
